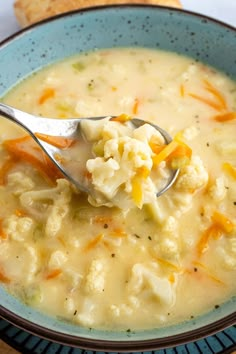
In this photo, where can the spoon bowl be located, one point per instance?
(70, 129)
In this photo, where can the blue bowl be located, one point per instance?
(179, 31)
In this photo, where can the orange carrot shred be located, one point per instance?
(57, 141)
(100, 219)
(223, 222)
(5, 168)
(216, 93)
(118, 232)
(46, 95)
(20, 213)
(136, 106)
(3, 235)
(212, 104)
(26, 149)
(93, 243)
(4, 278)
(54, 274)
(225, 117)
(208, 273)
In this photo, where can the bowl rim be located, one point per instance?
(113, 345)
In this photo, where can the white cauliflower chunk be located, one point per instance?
(20, 183)
(121, 176)
(18, 228)
(226, 148)
(143, 278)
(218, 191)
(193, 176)
(86, 316)
(53, 202)
(95, 279)
(57, 259)
(190, 133)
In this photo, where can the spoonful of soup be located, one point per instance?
(116, 160)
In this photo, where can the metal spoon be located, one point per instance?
(69, 128)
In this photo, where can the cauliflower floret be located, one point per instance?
(18, 228)
(32, 264)
(147, 133)
(86, 316)
(143, 278)
(20, 183)
(114, 172)
(95, 279)
(38, 201)
(57, 259)
(190, 133)
(168, 245)
(193, 176)
(88, 108)
(226, 148)
(218, 191)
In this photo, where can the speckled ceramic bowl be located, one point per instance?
(174, 30)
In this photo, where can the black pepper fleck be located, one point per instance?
(234, 203)
(149, 237)
(105, 226)
(75, 312)
(113, 255)
(207, 144)
(195, 269)
(217, 306)
(137, 236)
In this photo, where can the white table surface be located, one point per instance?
(224, 10)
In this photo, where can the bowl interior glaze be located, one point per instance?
(116, 26)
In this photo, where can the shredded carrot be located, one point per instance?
(166, 263)
(46, 95)
(93, 243)
(57, 141)
(100, 219)
(182, 90)
(26, 149)
(208, 273)
(212, 231)
(20, 213)
(122, 118)
(5, 168)
(216, 93)
(220, 225)
(53, 274)
(217, 106)
(231, 170)
(136, 106)
(225, 117)
(62, 241)
(118, 232)
(4, 278)
(223, 221)
(3, 235)
(165, 152)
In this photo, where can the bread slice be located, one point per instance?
(31, 11)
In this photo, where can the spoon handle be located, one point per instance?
(35, 124)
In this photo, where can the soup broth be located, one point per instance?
(123, 268)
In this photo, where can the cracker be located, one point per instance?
(31, 11)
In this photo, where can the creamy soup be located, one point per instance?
(115, 266)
